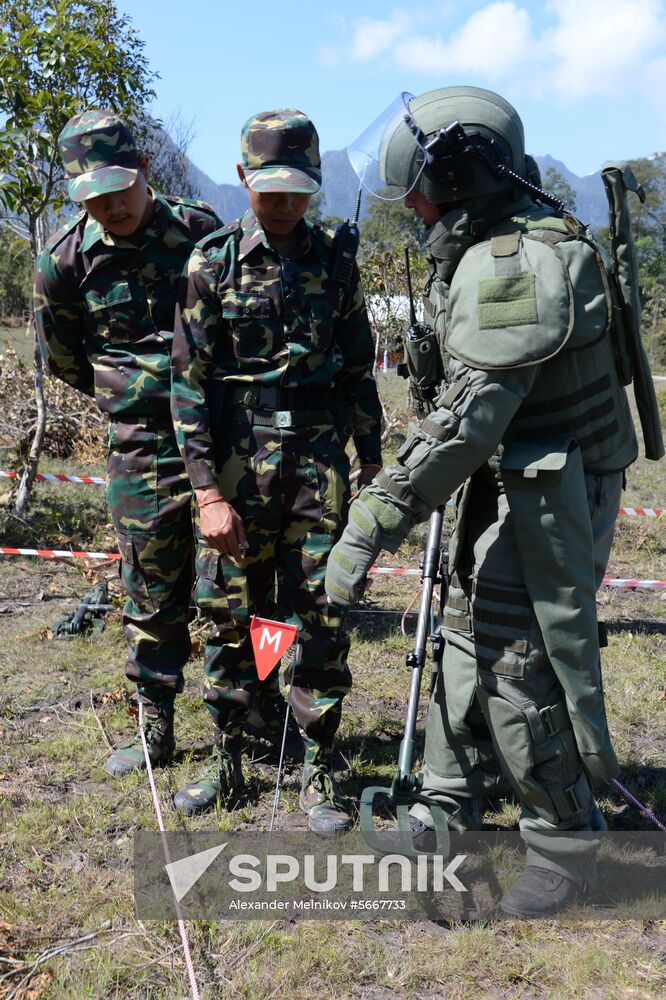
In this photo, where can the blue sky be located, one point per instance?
(588, 77)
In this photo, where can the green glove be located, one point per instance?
(373, 525)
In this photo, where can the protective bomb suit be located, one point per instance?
(531, 432)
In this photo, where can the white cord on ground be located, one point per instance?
(276, 798)
(167, 856)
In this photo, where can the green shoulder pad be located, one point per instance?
(63, 232)
(511, 303)
(203, 206)
(220, 235)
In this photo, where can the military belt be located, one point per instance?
(274, 406)
(274, 397)
(292, 418)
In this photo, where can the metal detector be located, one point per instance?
(405, 787)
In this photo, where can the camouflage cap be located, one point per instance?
(280, 152)
(98, 153)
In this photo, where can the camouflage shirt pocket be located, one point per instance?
(322, 322)
(253, 324)
(116, 313)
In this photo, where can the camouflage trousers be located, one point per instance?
(148, 494)
(498, 706)
(291, 487)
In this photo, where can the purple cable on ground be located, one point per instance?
(639, 805)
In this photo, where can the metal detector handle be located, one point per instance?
(416, 659)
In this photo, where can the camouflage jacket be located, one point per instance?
(248, 317)
(104, 304)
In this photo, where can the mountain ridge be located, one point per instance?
(340, 188)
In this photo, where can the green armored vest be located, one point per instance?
(537, 292)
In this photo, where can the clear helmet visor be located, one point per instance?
(386, 157)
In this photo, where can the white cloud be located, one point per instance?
(603, 46)
(372, 38)
(493, 41)
(587, 47)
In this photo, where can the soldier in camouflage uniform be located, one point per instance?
(105, 292)
(271, 360)
(532, 433)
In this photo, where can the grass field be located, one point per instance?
(67, 924)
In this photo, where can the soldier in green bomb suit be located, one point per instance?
(531, 431)
(105, 294)
(272, 370)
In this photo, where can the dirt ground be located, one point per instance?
(67, 922)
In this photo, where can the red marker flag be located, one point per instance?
(270, 641)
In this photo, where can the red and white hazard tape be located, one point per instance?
(396, 570)
(642, 511)
(59, 554)
(57, 477)
(387, 570)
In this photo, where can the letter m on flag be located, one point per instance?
(270, 641)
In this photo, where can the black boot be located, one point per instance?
(539, 892)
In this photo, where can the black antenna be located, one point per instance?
(412, 311)
(357, 209)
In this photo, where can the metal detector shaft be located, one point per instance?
(416, 659)
(405, 788)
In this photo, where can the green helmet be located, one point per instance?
(453, 144)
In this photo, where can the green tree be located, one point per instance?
(15, 274)
(556, 184)
(57, 58)
(648, 220)
(389, 226)
(387, 229)
(649, 226)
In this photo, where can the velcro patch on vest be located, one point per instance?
(529, 320)
(507, 301)
(505, 244)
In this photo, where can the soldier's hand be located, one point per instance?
(222, 527)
